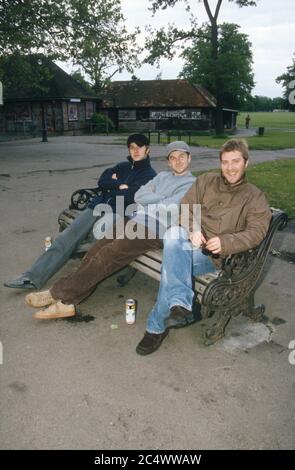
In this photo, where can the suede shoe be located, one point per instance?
(57, 310)
(150, 342)
(39, 299)
(179, 317)
(21, 282)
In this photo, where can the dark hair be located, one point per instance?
(138, 139)
(238, 145)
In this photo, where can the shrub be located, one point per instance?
(101, 123)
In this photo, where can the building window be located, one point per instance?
(127, 114)
(89, 109)
(73, 111)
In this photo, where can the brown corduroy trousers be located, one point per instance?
(104, 258)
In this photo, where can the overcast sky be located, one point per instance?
(270, 26)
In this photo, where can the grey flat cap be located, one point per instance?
(177, 145)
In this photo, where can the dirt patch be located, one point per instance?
(285, 255)
(23, 230)
(68, 170)
(79, 317)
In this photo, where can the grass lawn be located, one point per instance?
(271, 140)
(260, 119)
(277, 180)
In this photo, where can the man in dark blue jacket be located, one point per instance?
(124, 180)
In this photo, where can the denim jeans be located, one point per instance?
(61, 249)
(180, 262)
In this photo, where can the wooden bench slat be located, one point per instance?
(147, 261)
(155, 254)
(146, 270)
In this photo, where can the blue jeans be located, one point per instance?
(61, 249)
(180, 263)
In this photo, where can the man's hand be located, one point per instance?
(114, 176)
(123, 186)
(197, 239)
(214, 245)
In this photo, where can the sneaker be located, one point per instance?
(39, 299)
(57, 310)
(21, 282)
(179, 317)
(150, 342)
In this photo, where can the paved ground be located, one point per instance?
(81, 385)
(94, 153)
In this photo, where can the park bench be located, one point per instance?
(221, 295)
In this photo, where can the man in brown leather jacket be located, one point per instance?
(235, 217)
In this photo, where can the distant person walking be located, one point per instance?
(247, 121)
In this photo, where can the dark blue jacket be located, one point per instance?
(135, 174)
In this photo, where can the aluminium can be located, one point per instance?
(47, 243)
(130, 311)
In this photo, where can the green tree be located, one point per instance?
(163, 43)
(234, 64)
(287, 79)
(264, 103)
(91, 33)
(79, 77)
(28, 26)
(102, 47)
(279, 103)
(24, 74)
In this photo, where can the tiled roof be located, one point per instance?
(60, 85)
(156, 94)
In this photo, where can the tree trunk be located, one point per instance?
(218, 81)
(219, 127)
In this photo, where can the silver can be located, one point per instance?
(47, 243)
(130, 311)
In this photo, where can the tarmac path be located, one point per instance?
(63, 154)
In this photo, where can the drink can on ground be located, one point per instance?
(130, 311)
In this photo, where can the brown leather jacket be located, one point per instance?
(239, 215)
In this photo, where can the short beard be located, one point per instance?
(237, 182)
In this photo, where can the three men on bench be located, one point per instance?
(110, 255)
(234, 217)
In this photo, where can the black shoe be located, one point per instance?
(21, 282)
(150, 343)
(179, 317)
(126, 276)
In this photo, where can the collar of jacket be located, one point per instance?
(224, 185)
(141, 163)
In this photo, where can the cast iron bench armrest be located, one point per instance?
(232, 292)
(81, 198)
(225, 293)
(79, 202)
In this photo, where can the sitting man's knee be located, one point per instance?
(175, 234)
